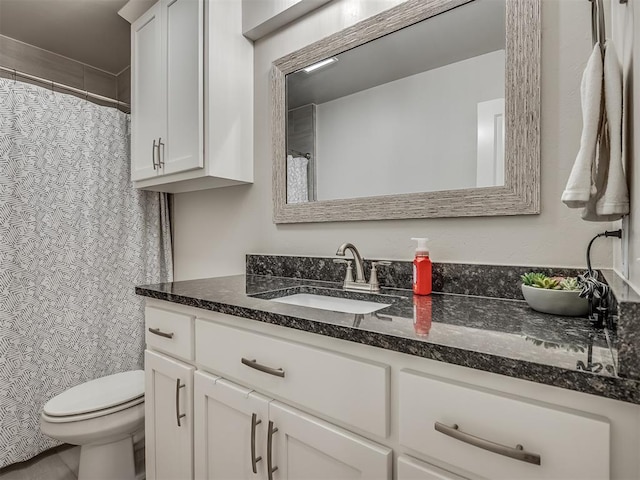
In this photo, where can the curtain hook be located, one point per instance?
(15, 75)
(52, 87)
(86, 94)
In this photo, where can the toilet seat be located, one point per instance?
(99, 397)
(94, 414)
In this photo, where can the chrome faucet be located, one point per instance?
(360, 284)
(356, 257)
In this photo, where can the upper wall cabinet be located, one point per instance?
(262, 17)
(192, 97)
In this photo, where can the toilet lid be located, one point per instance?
(98, 394)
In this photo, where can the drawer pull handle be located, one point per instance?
(270, 467)
(160, 157)
(278, 372)
(178, 414)
(518, 453)
(254, 461)
(157, 331)
(153, 154)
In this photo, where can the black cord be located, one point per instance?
(592, 288)
(608, 233)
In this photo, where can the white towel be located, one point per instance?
(297, 186)
(615, 197)
(578, 189)
(599, 178)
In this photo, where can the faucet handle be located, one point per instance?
(349, 273)
(382, 263)
(373, 280)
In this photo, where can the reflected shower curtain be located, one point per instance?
(75, 237)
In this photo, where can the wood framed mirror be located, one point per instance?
(336, 158)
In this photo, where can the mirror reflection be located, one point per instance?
(418, 110)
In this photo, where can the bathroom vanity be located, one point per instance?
(240, 386)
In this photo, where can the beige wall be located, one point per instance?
(214, 229)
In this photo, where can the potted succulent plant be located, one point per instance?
(556, 295)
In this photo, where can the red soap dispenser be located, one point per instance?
(422, 315)
(422, 268)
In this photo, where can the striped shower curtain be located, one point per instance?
(75, 237)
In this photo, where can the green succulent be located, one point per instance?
(540, 280)
(547, 283)
(570, 283)
(531, 279)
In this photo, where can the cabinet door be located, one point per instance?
(147, 111)
(168, 418)
(183, 48)
(305, 447)
(412, 469)
(230, 430)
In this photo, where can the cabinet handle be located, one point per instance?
(178, 414)
(518, 453)
(157, 331)
(254, 461)
(278, 372)
(160, 156)
(270, 467)
(153, 155)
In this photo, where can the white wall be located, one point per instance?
(214, 229)
(623, 19)
(416, 134)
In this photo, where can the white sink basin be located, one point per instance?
(335, 304)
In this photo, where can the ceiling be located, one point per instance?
(89, 31)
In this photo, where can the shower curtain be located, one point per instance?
(75, 237)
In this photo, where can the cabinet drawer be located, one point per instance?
(169, 332)
(412, 469)
(570, 444)
(348, 389)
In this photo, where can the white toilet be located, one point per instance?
(101, 416)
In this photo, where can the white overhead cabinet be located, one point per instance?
(192, 97)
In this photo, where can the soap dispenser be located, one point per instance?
(422, 268)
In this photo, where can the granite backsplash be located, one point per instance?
(497, 281)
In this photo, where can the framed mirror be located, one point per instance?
(429, 109)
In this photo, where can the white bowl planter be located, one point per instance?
(556, 302)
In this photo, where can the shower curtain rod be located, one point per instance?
(17, 73)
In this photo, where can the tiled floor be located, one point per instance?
(60, 463)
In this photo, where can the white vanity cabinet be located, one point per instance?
(241, 434)
(345, 410)
(499, 436)
(305, 447)
(192, 97)
(169, 418)
(231, 431)
(412, 469)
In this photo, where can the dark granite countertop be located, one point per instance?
(495, 335)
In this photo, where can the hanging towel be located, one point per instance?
(579, 186)
(614, 199)
(297, 186)
(599, 178)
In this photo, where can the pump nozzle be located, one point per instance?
(422, 245)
